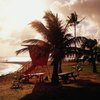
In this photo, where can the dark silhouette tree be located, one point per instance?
(73, 21)
(90, 45)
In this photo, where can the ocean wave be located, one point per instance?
(6, 68)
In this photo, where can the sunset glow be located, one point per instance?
(18, 13)
(15, 16)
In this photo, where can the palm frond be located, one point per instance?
(80, 20)
(78, 40)
(37, 43)
(73, 19)
(34, 41)
(39, 27)
(54, 25)
(30, 41)
(21, 50)
(52, 21)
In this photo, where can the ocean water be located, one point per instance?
(6, 68)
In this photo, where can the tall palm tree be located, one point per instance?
(57, 42)
(73, 21)
(54, 35)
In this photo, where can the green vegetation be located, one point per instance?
(86, 68)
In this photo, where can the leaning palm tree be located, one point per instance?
(54, 35)
(57, 42)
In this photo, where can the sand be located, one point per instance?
(87, 84)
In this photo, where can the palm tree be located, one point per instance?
(73, 21)
(54, 34)
(57, 42)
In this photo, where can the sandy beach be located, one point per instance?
(6, 93)
(85, 85)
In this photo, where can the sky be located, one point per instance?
(15, 16)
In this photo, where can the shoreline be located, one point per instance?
(22, 63)
(10, 67)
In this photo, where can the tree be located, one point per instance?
(54, 34)
(73, 21)
(90, 45)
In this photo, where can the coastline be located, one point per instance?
(10, 67)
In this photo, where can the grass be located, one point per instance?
(85, 66)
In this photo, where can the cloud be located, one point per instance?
(14, 17)
(89, 8)
(16, 29)
(84, 8)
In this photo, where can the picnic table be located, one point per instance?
(39, 76)
(65, 76)
(18, 80)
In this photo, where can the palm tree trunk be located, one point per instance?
(75, 39)
(60, 68)
(93, 62)
(94, 65)
(55, 78)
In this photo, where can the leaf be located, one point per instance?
(39, 27)
(21, 50)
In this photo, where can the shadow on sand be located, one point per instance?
(83, 89)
